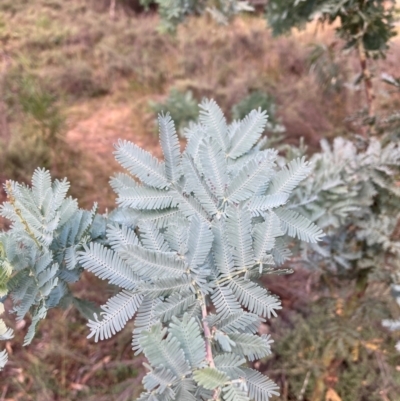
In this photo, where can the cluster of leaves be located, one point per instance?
(371, 21)
(192, 237)
(184, 110)
(39, 253)
(354, 196)
(182, 107)
(38, 122)
(198, 231)
(329, 68)
(255, 100)
(173, 12)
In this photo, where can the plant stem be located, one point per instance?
(237, 273)
(207, 335)
(369, 90)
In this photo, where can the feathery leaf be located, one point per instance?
(141, 164)
(170, 147)
(248, 133)
(116, 312)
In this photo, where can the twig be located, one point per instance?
(300, 397)
(207, 335)
(366, 73)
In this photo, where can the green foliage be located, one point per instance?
(181, 106)
(370, 21)
(329, 68)
(41, 107)
(255, 100)
(36, 125)
(184, 110)
(172, 13)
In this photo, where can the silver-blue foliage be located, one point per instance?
(190, 239)
(38, 254)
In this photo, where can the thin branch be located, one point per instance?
(207, 335)
(303, 388)
(366, 73)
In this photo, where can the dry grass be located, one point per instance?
(104, 72)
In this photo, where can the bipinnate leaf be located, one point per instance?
(175, 305)
(248, 133)
(238, 226)
(187, 332)
(255, 298)
(225, 301)
(251, 176)
(264, 235)
(146, 198)
(250, 346)
(160, 380)
(261, 388)
(107, 265)
(170, 147)
(41, 185)
(200, 238)
(197, 185)
(146, 317)
(258, 204)
(296, 225)
(141, 164)
(214, 167)
(116, 312)
(286, 180)
(230, 364)
(164, 350)
(152, 263)
(210, 378)
(212, 117)
(189, 235)
(233, 392)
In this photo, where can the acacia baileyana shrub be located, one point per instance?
(187, 244)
